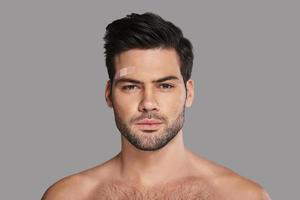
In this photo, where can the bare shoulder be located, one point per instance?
(233, 186)
(71, 187)
(78, 186)
(230, 185)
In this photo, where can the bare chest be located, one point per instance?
(192, 190)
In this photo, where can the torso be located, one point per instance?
(209, 182)
(190, 188)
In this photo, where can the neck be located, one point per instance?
(149, 167)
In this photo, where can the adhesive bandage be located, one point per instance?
(124, 71)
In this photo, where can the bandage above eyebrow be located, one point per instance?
(124, 71)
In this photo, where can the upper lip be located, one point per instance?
(149, 121)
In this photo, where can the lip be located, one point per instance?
(149, 121)
(148, 124)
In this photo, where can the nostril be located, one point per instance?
(146, 107)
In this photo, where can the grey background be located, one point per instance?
(54, 121)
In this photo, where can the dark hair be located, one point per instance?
(146, 31)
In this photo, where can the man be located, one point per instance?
(149, 63)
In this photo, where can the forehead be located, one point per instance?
(148, 63)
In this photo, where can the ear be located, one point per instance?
(189, 93)
(108, 94)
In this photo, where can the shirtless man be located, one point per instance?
(149, 63)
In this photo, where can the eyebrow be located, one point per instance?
(130, 80)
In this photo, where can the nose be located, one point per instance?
(148, 102)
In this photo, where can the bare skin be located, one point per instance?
(171, 171)
(204, 181)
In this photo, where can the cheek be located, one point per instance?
(124, 105)
(172, 103)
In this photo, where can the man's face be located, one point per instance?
(149, 99)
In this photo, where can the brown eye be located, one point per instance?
(129, 87)
(166, 86)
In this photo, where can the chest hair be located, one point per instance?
(186, 189)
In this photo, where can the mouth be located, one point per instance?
(148, 124)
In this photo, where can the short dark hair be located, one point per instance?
(146, 31)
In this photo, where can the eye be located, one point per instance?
(129, 87)
(166, 86)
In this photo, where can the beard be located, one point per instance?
(150, 141)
